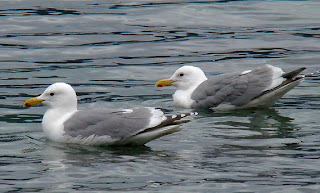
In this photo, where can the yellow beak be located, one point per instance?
(31, 102)
(164, 82)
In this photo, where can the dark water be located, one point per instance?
(113, 52)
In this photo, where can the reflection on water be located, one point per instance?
(260, 120)
(113, 52)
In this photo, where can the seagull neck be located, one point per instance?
(66, 106)
(60, 111)
(182, 98)
(53, 120)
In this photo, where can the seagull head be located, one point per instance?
(184, 78)
(57, 95)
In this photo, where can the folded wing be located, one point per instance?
(239, 89)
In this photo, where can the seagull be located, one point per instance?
(63, 122)
(257, 88)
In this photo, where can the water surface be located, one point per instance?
(113, 52)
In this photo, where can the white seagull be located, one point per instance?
(63, 122)
(257, 88)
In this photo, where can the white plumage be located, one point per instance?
(63, 122)
(257, 88)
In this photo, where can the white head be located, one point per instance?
(184, 78)
(57, 95)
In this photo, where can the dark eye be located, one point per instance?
(51, 94)
(181, 74)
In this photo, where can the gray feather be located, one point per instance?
(117, 124)
(232, 88)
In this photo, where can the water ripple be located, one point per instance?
(112, 53)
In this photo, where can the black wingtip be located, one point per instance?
(292, 74)
(176, 119)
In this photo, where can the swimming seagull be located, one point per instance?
(257, 88)
(62, 122)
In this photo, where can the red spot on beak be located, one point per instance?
(28, 105)
(160, 85)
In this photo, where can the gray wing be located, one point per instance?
(117, 124)
(234, 88)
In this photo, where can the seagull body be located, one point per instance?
(63, 122)
(257, 88)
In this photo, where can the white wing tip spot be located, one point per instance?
(246, 72)
(174, 116)
(127, 110)
(183, 115)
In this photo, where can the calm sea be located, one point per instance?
(112, 53)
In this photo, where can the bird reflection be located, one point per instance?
(57, 156)
(261, 120)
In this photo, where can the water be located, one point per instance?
(113, 52)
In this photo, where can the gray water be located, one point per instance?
(112, 53)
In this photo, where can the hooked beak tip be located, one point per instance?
(164, 82)
(32, 102)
